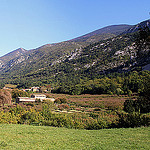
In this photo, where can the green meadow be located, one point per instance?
(20, 137)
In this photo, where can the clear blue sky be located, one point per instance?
(33, 23)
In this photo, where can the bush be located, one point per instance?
(7, 117)
(29, 104)
(60, 100)
(30, 117)
(63, 106)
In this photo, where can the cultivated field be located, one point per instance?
(29, 137)
(89, 102)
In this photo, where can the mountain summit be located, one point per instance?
(135, 28)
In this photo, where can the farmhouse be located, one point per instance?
(24, 99)
(35, 89)
(33, 98)
(38, 96)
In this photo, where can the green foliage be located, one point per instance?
(19, 93)
(133, 120)
(142, 104)
(18, 109)
(144, 97)
(30, 117)
(129, 106)
(8, 118)
(46, 112)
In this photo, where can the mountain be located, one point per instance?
(135, 28)
(39, 58)
(104, 51)
(55, 51)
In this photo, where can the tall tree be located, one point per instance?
(5, 97)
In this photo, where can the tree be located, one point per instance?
(5, 97)
(142, 104)
(19, 93)
(144, 97)
(129, 106)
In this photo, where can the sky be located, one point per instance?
(30, 24)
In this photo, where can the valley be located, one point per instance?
(103, 76)
(74, 75)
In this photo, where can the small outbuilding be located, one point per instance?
(38, 96)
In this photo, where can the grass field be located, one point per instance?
(41, 137)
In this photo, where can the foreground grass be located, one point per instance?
(41, 137)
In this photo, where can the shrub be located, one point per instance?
(38, 100)
(141, 105)
(63, 106)
(30, 117)
(60, 100)
(29, 104)
(17, 110)
(46, 112)
(7, 117)
(93, 125)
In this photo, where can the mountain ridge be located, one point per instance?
(92, 37)
(114, 29)
(136, 27)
